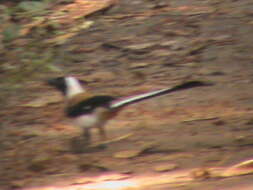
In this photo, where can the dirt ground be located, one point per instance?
(134, 47)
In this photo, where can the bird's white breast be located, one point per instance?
(87, 121)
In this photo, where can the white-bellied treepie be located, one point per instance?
(92, 111)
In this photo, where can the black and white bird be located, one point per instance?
(93, 111)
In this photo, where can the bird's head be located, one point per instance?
(69, 85)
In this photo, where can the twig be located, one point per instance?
(111, 141)
(201, 119)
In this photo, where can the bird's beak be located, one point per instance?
(83, 82)
(49, 82)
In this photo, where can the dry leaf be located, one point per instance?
(26, 29)
(242, 168)
(61, 39)
(127, 154)
(79, 9)
(43, 101)
(165, 167)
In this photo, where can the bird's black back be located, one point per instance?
(88, 105)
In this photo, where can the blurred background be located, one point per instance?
(196, 139)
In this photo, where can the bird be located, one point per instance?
(93, 111)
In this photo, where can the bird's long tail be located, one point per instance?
(138, 98)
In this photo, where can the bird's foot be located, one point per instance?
(79, 145)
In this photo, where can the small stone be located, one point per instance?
(18, 183)
(173, 44)
(168, 43)
(242, 168)
(191, 64)
(200, 174)
(85, 167)
(159, 5)
(210, 72)
(137, 65)
(219, 123)
(222, 37)
(83, 181)
(70, 157)
(43, 101)
(196, 11)
(39, 163)
(161, 53)
(101, 76)
(88, 165)
(140, 46)
(176, 156)
(249, 122)
(126, 171)
(243, 140)
(165, 167)
(127, 154)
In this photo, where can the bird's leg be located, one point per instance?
(102, 133)
(87, 135)
(80, 144)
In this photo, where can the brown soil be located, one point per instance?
(138, 46)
